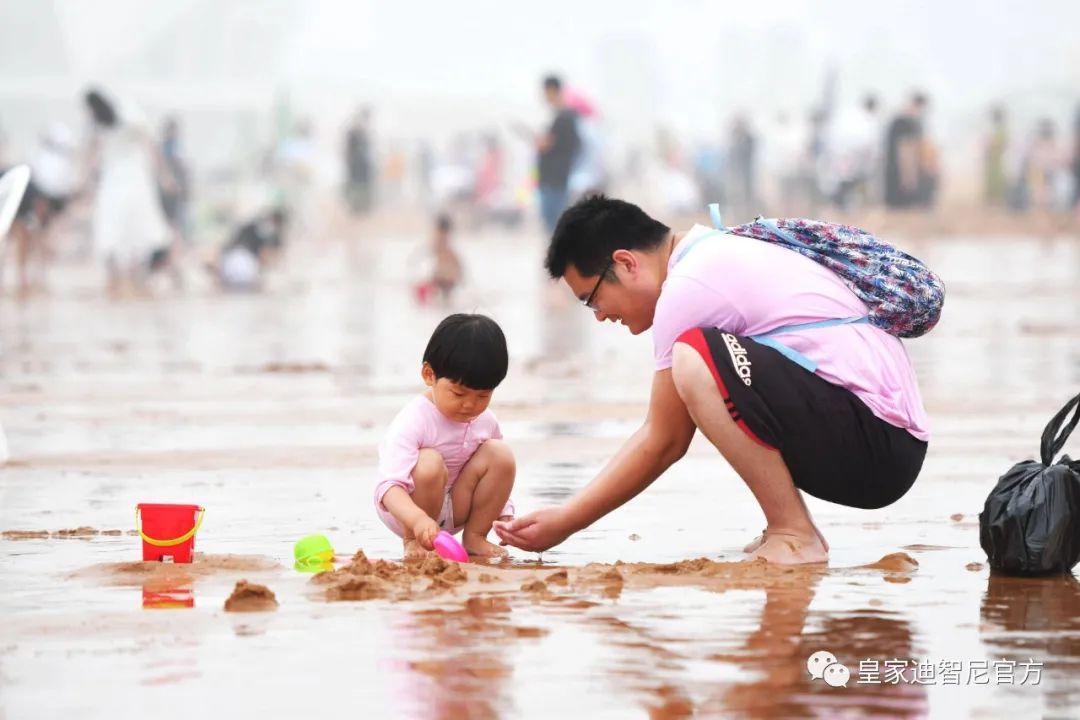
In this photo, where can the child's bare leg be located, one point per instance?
(429, 477)
(480, 493)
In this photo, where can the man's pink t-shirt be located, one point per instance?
(420, 425)
(746, 286)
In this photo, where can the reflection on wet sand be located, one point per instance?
(460, 666)
(1036, 619)
(167, 596)
(775, 657)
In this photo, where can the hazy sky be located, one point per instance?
(427, 66)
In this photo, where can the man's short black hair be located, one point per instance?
(552, 82)
(470, 350)
(595, 227)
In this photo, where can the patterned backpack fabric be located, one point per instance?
(904, 296)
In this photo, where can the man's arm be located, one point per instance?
(658, 443)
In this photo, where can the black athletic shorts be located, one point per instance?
(834, 447)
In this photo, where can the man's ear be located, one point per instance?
(428, 374)
(627, 259)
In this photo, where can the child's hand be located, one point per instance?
(425, 531)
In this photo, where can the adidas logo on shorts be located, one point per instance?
(738, 357)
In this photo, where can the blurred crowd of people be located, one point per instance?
(136, 186)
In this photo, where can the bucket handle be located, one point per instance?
(169, 543)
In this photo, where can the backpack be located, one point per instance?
(904, 296)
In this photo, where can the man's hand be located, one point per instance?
(536, 531)
(424, 530)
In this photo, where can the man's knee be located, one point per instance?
(688, 371)
(430, 471)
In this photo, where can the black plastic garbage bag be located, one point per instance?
(1030, 524)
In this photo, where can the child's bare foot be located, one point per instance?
(784, 548)
(413, 549)
(479, 546)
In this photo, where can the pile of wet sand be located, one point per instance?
(364, 579)
(250, 597)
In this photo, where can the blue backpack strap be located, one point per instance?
(718, 226)
(685, 247)
(794, 355)
(714, 214)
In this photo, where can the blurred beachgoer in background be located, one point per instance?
(489, 172)
(929, 173)
(903, 148)
(784, 161)
(174, 190)
(359, 179)
(54, 179)
(742, 162)
(254, 248)
(588, 175)
(446, 268)
(174, 181)
(996, 144)
(393, 176)
(1045, 162)
(673, 182)
(556, 150)
(493, 199)
(425, 167)
(295, 164)
(854, 149)
(1074, 164)
(128, 226)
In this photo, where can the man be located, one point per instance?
(903, 155)
(556, 151)
(851, 431)
(358, 163)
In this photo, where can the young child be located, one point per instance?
(443, 464)
(446, 265)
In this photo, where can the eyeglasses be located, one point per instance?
(592, 296)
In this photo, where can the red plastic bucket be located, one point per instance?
(168, 531)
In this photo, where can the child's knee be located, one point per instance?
(430, 471)
(500, 459)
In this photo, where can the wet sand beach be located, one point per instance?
(266, 410)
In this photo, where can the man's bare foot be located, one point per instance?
(783, 548)
(760, 539)
(413, 549)
(756, 542)
(479, 546)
